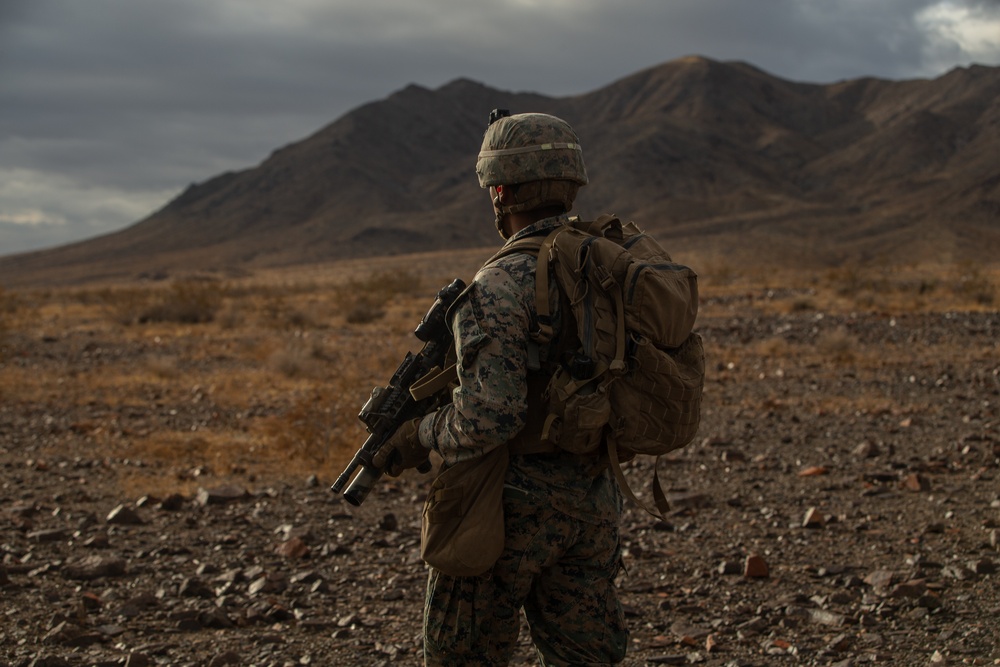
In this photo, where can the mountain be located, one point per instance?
(717, 158)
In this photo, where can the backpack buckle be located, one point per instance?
(604, 277)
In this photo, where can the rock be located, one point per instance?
(839, 644)
(916, 483)
(134, 607)
(227, 658)
(755, 567)
(91, 601)
(730, 567)
(172, 503)
(957, 572)
(42, 536)
(193, 587)
(909, 589)
(215, 619)
(813, 519)
(305, 577)
(983, 566)
(685, 501)
(814, 471)
(257, 586)
(221, 495)
(124, 516)
(732, 455)
(866, 450)
(293, 548)
(95, 567)
(67, 634)
(880, 579)
(99, 541)
(49, 661)
(138, 659)
(823, 617)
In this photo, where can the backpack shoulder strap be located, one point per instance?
(540, 246)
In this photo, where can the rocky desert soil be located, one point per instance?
(841, 506)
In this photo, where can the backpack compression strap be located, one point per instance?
(662, 505)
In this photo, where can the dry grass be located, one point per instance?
(881, 289)
(264, 376)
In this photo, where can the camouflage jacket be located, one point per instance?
(491, 324)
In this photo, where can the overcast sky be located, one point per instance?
(109, 108)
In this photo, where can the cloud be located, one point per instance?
(43, 208)
(119, 101)
(961, 33)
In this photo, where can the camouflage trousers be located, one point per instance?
(558, 569)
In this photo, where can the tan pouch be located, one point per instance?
(463, 530)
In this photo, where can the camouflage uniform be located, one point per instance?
(562, 511)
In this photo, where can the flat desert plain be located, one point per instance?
(166, 450)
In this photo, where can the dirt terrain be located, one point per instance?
(841, 505)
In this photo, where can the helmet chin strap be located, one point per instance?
(501, 212)
(499, 224)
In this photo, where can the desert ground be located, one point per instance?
(166, 448)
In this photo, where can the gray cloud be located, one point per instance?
(112, 106)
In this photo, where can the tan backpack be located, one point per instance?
(634, 380)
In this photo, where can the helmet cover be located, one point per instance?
(530, 147)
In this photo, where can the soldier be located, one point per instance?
(561, 511)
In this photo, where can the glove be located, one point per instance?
(403, 450)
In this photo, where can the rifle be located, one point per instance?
(391, 406)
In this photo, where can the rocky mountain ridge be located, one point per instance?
(720, 159)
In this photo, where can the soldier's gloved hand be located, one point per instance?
(403, 451)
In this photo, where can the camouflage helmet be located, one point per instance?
(530, 147)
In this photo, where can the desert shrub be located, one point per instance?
(975, 286)
(163, 367)
(291, 361)
(306, 430)
(301, 357)
(927, 286)
(775, 347)
(279, 311)
(231, 317)
(8, 307)
(838, 345)
(300, 319)
(124, 305)
(183, 302)
(803, 304)
(363, 310)
(851, 281)
(362, 301)
(9, 303)
(718, 273)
